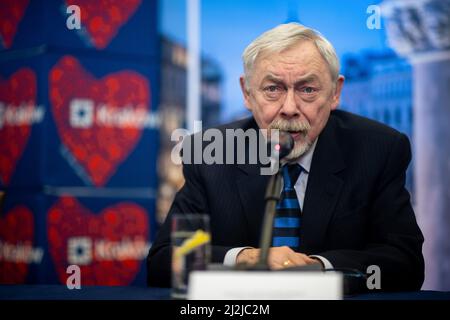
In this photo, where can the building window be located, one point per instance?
(411, 114)
(398, 116)
(376, 115)
(387, 116)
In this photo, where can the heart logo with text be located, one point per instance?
(11, 13)
(17, 103)
(98, 120)
(108, 247)
(103, 18)
(16, 240)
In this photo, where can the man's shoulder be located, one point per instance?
(220, 143)
(244, 124)
(357, 136)
(360, 126)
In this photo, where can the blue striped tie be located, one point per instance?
(286, 228)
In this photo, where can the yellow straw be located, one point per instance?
(198, 239)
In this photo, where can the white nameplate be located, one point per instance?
(265, 285)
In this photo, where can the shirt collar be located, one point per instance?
(306, 158)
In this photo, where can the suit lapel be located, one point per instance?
(252, 188)
(323, 189)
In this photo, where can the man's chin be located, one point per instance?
(300, 149)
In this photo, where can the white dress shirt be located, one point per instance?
(300, 189)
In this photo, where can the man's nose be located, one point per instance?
(290, 108)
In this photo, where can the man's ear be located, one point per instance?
(337, 92)
(245, 93)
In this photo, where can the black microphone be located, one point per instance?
(280, 145)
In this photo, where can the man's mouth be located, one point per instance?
(296, 134)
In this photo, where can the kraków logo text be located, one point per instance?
(85, 114)
(85, 250)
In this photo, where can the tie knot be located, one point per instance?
(291, 173)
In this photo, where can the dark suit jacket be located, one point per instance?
(356, 211)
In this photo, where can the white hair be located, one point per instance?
(286, 36)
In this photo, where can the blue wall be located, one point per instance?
(78, 140)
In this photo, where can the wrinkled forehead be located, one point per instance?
(272, 50)
(300, 59)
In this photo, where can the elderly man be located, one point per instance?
(345, 202)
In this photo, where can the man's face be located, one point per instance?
(293, 91)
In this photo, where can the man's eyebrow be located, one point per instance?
(307, 79)
(272, 77)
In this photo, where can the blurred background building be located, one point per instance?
(378, 85)
(173, 113)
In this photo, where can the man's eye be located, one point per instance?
(308, 90)
(272, 88)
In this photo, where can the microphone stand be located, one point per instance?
(273, 194)
(272, 197)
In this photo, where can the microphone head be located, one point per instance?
(280, 145)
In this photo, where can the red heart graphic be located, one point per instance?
(16, 229)
(11, 13)
(102, 261)
(103, 18)
(18, 94)
(97, 146)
